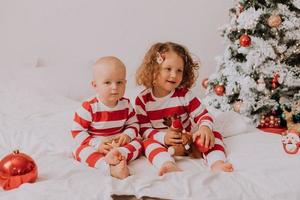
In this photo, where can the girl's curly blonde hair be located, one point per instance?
(149, 69)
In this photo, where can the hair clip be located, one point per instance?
(159, 58)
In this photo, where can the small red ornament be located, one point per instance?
(205, 83)
(245, 40)
(219, 90)
(15, 169)
(199, 146)
(275, 81)
(241, 7)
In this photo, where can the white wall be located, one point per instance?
(78, 31)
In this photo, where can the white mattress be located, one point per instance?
(38, 123)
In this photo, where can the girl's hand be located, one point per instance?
(122, 139)
(104, 148)
(172, 137)
(206, 136)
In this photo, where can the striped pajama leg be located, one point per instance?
(132, 150)
(156, 153)
(92, 158)
(217, 152)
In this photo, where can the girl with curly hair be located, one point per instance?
(168, 72)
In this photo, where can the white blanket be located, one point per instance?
(38, 124)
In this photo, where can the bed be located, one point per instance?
(36, 120)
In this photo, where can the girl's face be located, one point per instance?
(169, 76)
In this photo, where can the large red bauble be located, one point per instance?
(199, 146)
(245, 40)
(205, 83)
(219, 90)
(15, 169)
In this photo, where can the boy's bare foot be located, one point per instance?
(168, 167)
(120, 170)
(113, 157)
(220, 165)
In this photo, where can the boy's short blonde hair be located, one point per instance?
(149, 69)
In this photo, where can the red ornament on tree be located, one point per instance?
(275, 81)
(241, 7)
(245, 40)
(15, 169)
(205, 83)
(219, 90)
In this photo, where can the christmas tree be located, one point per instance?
(259, 73)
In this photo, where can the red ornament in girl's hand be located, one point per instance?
(199, 146)
(177, 124)
(245, 40)
(16, 169)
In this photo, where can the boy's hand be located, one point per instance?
(122, 139)
(172, 137)
(206, 136)
(104, 148)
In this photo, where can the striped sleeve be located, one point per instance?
(146, 129)
(81, 123)
(131, 125)
(197, 111)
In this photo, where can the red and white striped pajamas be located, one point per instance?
(151, 111)
(95, 123)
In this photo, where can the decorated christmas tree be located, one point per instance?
(259, 73)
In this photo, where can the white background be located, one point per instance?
(76, 32)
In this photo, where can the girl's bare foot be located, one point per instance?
(220, 165)
(120, 170)
(113, 157)
(168, 167)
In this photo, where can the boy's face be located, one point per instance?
(170, 74)
(109, 83)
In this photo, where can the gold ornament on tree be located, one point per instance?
(205, 83)
(297, 49)
(274, 21)
(237, 106)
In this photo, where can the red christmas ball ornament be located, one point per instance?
(205, 83)
(245, 40)
(275, 81)
(199, 146)
(219, 90)
(15, 169)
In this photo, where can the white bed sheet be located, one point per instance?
(38, 123)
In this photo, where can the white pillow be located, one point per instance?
(230, 123)
(69, 81)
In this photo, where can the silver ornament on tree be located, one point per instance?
(237, 106)
(297, 49)
(261, 85)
